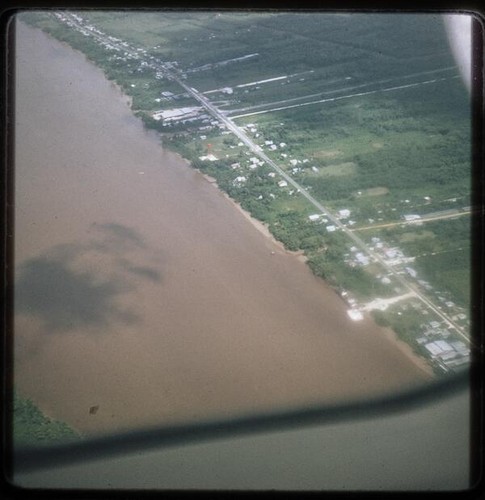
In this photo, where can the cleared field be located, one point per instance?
(338, 170)
(377, 191)
(379, 128)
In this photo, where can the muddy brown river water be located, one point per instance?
(143, 295)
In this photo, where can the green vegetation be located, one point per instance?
(379, 125)
(32, 427)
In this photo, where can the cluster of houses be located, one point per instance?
(343, 215)
(268, 144)
(438, 344)
(444, 352)
(108, 42)
(441, 346)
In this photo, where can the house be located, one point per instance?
(331, 228)
(391, 253)
(344, 213)
(239, 180)
(314, 217)
(411, 217)
(208, 157)
(411, 272)
(361, 258)
(282, 184)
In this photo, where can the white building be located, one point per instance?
(362, 258)
(208, 157)
(412, 272)
(239, 180)
(411, 217)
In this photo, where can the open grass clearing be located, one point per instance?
(416, 235)
(337, 170)
(377, 191)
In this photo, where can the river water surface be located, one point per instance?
(143, 295)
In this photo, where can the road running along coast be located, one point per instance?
(175, 75)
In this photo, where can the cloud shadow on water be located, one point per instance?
(66, 293)
(65, 299)
(145, 272)
(120, 236)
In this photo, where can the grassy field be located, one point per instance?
(371, 110)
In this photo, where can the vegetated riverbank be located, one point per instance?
(194, 316)
(286, 218)
(258, 224)
(403, 346)
(31, 427)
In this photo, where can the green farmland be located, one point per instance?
(367, 115)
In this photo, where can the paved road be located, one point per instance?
(412, 223)
(358, 241)
(177, 77)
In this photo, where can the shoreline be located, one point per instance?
(289, 361)
(419, 361)
(389, 333)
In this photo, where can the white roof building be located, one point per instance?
(361, 258)
(411, 217)
(239, 180)
(412, 272)
(440, 348)
(208, 157)
(433, 349)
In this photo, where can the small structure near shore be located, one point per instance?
(355, 315)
